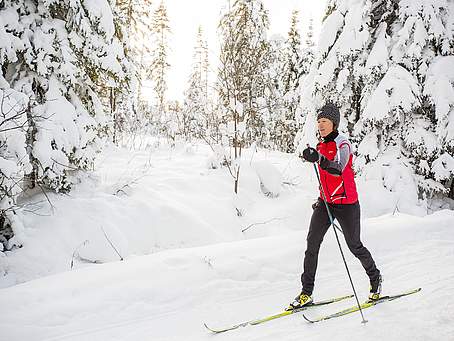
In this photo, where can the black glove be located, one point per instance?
(324, 162)
(331, 167)
(310, 154)
(315, 204)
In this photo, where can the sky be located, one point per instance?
(185, 16)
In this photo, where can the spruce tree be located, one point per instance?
(276, 113)
(59, 56)
(137, 17)
(380, 62)
(292, 72)
(196, 96)
(159, 63)
(308, 50)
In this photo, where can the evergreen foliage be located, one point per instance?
(196, 112)
(159, 56)
(381, 62)
(55, 58)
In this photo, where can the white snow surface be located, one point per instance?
(187, 261)
(269, 176)
(440, 86)
(397, 89)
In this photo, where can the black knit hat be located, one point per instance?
(331, 112)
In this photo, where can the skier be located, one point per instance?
(334, 157)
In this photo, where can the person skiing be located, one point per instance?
(334, 158)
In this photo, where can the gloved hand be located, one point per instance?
(316, 204)
(311, 155)
(324, 163)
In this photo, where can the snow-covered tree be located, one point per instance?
(308, 51)
(381, 62)
(310, 34)
(293, 55)
(241, 75)
(196, 96)
(121, 98)
(172, 122)
(55, 56)
(275, 114)
(289, 65)
(294, 69)
(137, 16)
(14, 161)
(159, 63)
(244, 52)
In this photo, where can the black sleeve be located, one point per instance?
(331, 167)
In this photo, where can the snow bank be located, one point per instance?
(146, 202)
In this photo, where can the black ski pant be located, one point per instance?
(348, 217)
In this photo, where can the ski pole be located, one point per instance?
(338, 242)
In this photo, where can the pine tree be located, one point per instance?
(159, 64)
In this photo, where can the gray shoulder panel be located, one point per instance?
(344, 149)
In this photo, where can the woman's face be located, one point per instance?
(325, 126)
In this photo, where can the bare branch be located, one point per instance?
(76, 252)
(105, 235)
(262, 223)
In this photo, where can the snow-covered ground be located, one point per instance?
(187, 260)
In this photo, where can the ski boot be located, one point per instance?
(300, 301)
(375, 289)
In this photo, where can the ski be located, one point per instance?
(282, 314)
(365, 305)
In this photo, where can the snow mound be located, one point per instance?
(270, 178)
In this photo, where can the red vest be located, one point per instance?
(338, 189)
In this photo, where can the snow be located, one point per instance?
(354, 36)
(342, 79)
(379, 54)
(100, 11)
(153, 242)
(60, 126)
(332, 25)
(396, 58)
(440, 87)
(397, 90)
(270, 178)
(327, 70)
(187, 261)
(8, 167)
(8, 42)
(13, 158)
(443, 166)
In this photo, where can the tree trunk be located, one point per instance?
(451, 190)
(114, 115)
